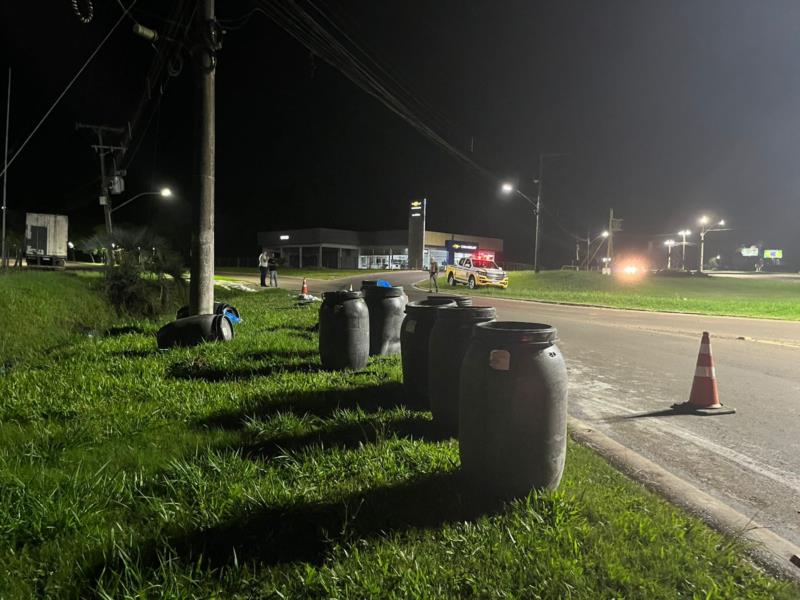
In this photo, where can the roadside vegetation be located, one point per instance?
(764, 298)
(41, 311)
(244, 470)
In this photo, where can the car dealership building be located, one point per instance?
(388, 249)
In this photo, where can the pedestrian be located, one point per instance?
(272, 266)
(433, 273)
(263, 263)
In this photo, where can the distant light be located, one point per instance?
(718, 257)
(416, 214)
(284, 237)
(703, 220)
(604, 234)
(684, 232)
(166, 192)
(71, 245)
(669, 243)
(113, 245)
(506, 188)
(722, 222)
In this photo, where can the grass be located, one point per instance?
(764, 298)
(42, 310)
(244, 470)
(310, 272)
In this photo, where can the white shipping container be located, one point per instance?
(46, 235)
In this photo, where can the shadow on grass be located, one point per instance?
(135, 353)
(214, 374)
(281, 354)
(369, 399)
(307, 531)
(348, 436)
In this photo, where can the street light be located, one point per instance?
(669, 244)
(589, 242)
(508, 188)
(704, 229)
(164, 192)
(683, 233)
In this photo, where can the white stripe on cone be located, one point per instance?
(704, 372)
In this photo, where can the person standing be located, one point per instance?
(272, 267)
(433, 273)
(263, 263)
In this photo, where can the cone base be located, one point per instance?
(687, 408)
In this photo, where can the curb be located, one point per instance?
(768, 549)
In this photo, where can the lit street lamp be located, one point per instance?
(683, 233)
(704, 229)
(669, 244)
(163, 192)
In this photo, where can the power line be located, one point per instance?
(69, 85)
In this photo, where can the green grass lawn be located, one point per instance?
(244, 470)
(310, 272)
(767, 298)
(42, 310)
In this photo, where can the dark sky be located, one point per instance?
(666, 110)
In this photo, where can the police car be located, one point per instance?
(475, 271)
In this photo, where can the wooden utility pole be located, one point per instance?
(102, 150)
(208, 38)
(3, 256)
(610, 247)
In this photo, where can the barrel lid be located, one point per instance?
(369, 283)
(458, 299)
(383, 292)
(467, 313)
(341, 296)
(428, 307)
(516, 332)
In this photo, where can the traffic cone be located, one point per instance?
(304, 289)
(704, 397)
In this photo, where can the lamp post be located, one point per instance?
(507, 188)
(704, 229)
(589, 242)
(669, 244)
(163, 192)
(683, 233)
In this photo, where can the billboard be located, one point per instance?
(416, 232)
(751, 251)
(773, 253)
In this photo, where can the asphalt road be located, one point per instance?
(626, 367)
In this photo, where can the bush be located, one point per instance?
(144, 283)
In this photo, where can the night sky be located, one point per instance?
(666, 111)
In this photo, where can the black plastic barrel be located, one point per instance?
(343, 330)
(512, 426)
(219, 309)
(368, 283)
(191, 331)
(414, 339)
(450, 337)
(459, 300)
(387, 308)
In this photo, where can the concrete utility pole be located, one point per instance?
(538, 213)
(3, 256)
(208, 38)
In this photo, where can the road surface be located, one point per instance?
(627, 366)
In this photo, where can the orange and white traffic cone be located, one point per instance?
(704, 397)
(304, 289)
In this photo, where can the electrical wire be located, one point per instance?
(69, 86)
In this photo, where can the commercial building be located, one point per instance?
(388, 249)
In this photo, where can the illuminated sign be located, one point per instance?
(416, 204)
(284, 237)
(751, 251)
(773, 253)
(460, 246)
